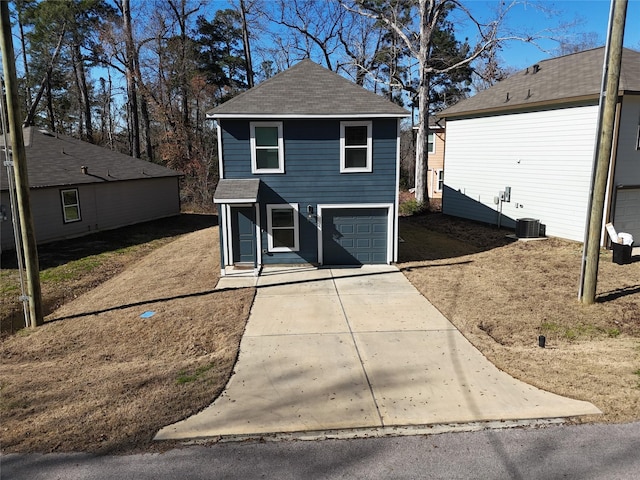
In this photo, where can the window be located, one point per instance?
(282, 228)
(70, 205)
(431, 142)
(440, 174)
(638, 139)
(267, 147)
(355, 147)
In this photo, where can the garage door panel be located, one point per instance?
(354, 236)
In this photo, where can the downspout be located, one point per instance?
(612, 190)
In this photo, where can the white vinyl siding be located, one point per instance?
(545, 157)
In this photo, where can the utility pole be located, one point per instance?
(592, 245)
(20, 170)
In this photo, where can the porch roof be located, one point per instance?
(241, 190)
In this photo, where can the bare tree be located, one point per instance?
(313, 27)
(416, 32)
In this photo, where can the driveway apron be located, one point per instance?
(353, 348)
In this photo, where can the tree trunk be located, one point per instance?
(422, 161)
(84, 90)
(132, 93)
(246, 44)
(146, 128)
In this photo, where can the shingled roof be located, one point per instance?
(57, 160)
(567, 79)
(307, 90)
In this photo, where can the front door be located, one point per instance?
(243, 233)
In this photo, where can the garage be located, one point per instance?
(626, 217)
(353, 236)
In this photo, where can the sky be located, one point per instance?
(590, 16)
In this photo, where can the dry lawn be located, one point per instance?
(503, 294)
(98, 377)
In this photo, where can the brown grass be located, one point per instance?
(503, 294)
(97, 377)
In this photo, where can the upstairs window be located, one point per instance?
(355, 147)
(282, 228)
(431, 142)
(70, 205)
(267, 147)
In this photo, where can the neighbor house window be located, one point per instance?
(355, 147)
(267, 147)
(440, 176)
(282, 228)
(70, 205)
(431, 143)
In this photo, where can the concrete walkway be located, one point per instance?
(358, 348)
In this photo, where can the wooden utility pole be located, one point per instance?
(20, 170)
(592, 245)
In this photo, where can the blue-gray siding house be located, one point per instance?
(309, 167)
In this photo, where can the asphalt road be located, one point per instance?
(554, 452)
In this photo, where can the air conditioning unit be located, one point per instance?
(527, 228)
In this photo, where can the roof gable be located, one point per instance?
(570, 78)
(307, 90)
(57, 160)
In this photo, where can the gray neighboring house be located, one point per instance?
(535, 132)
(78, 188)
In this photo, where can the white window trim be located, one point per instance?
(433, 149)
(439, 172)
(77, 204)
(254, 163)
(296, 227)
(369, 166)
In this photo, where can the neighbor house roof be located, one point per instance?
(307, 90)
(57, 160)
(567, 79)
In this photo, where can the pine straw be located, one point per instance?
(97, 377)
(503, 294)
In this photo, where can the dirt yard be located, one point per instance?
(502, 295)
(98, 377)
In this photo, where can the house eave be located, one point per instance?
(245, 116)
(524, 107)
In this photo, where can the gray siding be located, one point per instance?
(103, 206)
(312, 173)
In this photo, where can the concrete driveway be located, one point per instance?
(358, 348)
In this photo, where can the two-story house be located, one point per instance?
(309, 169)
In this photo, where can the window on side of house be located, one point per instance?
(431, 142)
(355, 147)
(70, 205)
(282, 227)
(440, 178)
(267, 147)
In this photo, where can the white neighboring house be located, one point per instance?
(535, 132)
